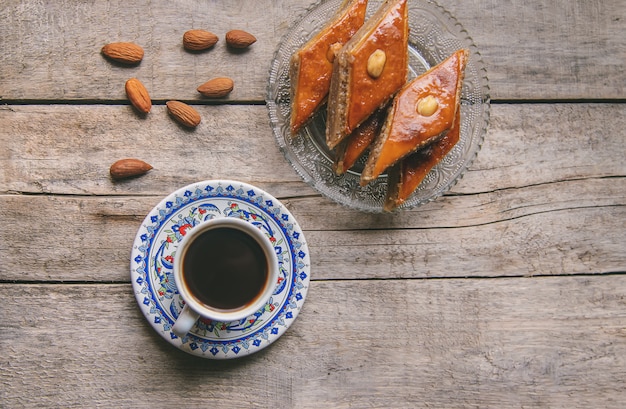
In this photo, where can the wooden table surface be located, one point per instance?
(507, 292)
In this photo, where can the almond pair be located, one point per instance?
(198, 40)
(138, 96)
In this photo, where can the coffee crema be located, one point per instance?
(224, 268)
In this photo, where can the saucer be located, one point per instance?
(154, 249)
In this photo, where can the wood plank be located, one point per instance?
(525, 145)
(68, 36)
(562, 49)
(549, 50)
(489, 343)
(531, 231)
(72, 147)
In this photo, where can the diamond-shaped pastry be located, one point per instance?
(370, 68)
(311, 66)
(420, 113)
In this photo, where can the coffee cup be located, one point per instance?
(225, 270)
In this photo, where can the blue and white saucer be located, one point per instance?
(155, 247)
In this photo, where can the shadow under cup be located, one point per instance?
(225, 270)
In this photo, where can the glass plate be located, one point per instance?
(434, 35)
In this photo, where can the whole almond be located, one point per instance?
(427, 105)
(125, 53)
(183, 113)
(126, 168)
(197, 40)
(239, 39)
(138, 95)
(217, 87)
(376, 63)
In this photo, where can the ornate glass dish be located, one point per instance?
(434, 35)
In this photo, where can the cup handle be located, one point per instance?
(185, 321)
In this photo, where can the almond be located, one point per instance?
(197, 40)
(332, 52)
(126, 168)
(217, 87)
(427, 105)
(239, 39)
(125, 53)
(138, 95)
(183, 113)
(376, 63)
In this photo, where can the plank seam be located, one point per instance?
(403, 279)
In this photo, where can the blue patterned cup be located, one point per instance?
(225, 270)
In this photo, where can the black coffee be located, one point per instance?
(225, 268)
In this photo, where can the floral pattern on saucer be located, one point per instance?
(154, 250)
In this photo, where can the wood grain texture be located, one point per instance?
(507, 292)
(564, 49)
(491, 343)
(525, 145)
(90, 238)
(72, 148)
(549, 50)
